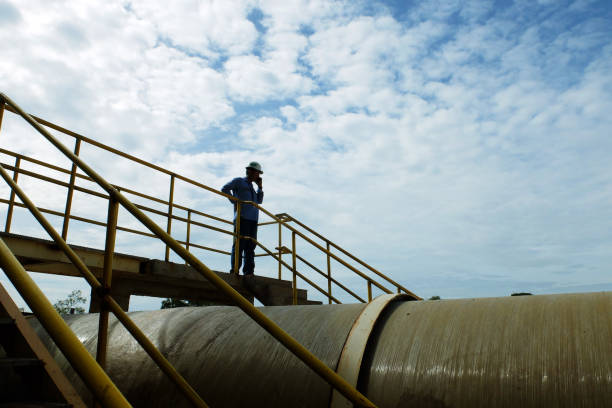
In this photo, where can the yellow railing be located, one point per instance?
(327, 247)
(92, 374)
(29, 291)
(330, 251)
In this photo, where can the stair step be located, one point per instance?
(19, 362)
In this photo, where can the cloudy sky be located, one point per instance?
(462, 148)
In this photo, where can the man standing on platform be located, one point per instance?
(242, 189)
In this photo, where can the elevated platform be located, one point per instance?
(133, 275)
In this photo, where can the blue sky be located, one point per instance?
(460, 147)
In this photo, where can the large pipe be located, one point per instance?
(530, 351)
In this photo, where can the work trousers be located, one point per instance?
(248, 228)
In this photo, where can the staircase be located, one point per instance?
(27, 372)
(181, 221)
(29, 377)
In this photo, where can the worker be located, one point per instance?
(242, 189)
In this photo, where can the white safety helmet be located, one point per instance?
(255, 166)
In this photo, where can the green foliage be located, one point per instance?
(170, 303)
(521, 294)
(435, 298)
(71, 304)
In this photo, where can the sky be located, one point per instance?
(461, 148)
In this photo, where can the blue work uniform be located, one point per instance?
(242, 189)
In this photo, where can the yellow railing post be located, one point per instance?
(345, 252)
(9, 212)
(1, 110)
(293, 255)
(169, 227)
(322, 249)
(1, 116)
(369, 290)
(280, 249)
(299, 275)
(77, 149)
(325, 293)
(140, 337)
(107, 276)
(187, 238)
(329, 282)
(75, 352)
(237, 239)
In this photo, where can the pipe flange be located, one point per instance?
(351, 357)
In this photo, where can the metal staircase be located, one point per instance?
(311, 259)
(102, 269)
(29, 377)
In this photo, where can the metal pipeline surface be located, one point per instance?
(226, 357)
(528, 351)
(524, 351)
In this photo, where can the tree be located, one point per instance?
(170, 303)
(70, 305)
(435, 298)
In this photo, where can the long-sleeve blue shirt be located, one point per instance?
(243, 190)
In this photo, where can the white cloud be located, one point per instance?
(252, 80)
(456, 145)
(209, 28)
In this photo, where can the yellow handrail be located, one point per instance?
(170, 216)
(320, 272)
(140, 337)
(18, 171)
(10, 107)
(284, 218)
(353, 257)
(92, 374)
(319, 247)
(84, 177)
(97, 194)
(291, 268)
(284, 338)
